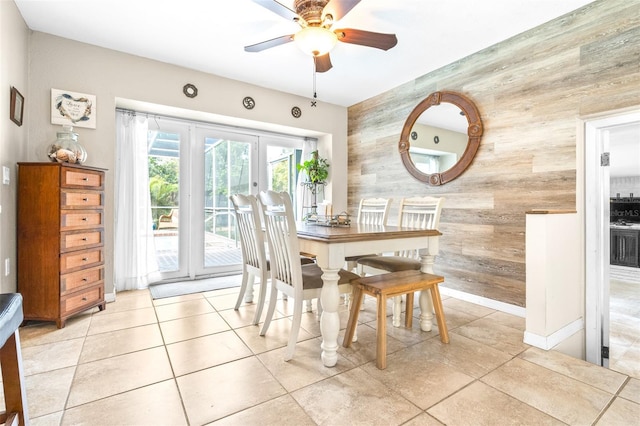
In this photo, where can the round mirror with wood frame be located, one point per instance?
(474, 134)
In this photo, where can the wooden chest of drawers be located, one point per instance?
(60, 240)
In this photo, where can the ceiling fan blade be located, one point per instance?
(323, 63)
(339, 8)
(278, 9)
(367, 38)
(264, 45)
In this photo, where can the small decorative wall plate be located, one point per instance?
(190, 90)
(248, 102)
(414, 135)
(296, 112)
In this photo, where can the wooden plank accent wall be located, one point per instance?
(530, 91)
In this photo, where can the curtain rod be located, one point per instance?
(210, 123)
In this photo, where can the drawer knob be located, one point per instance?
(84, 259)
(84, 299)
(85, 179)
(84, 239)
(85, 279)
(85, 219)
(85, 199)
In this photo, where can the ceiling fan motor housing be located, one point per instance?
(310, 11)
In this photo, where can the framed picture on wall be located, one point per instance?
(76, 109)
(16, 108)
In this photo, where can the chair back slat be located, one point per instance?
(249, 229)
(282, 238)
(373, 211)
(421, 213)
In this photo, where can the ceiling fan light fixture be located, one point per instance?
(315, 41)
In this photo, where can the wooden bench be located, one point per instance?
(389, 285)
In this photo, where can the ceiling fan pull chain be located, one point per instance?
(315, 96)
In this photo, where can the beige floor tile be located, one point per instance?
(217, 392)
(621, 412)
(276, 337)
(465, 355)
(456, 318)
(422, 381)
(282, 411)
(191, 327)
(513, 321)
(479, 404)
(631, 390)
(228, 301)
(103, 378)
(119, 342)
(157, 404)
(51, 356)
(494, 334)
(184, 309)
(47, 392)
(104, 322)
(628, 363)
(53, 419)
(591, 374)
(562, 397)
(129, 300)
(177, 299)
(206, 351)
(352, 396)
(242, 317)
(470, 308)
(39, 333)
(305, 368)
(423, 419)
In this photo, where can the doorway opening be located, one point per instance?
(612, 179)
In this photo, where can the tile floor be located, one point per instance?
(194, 360)
(624, 327)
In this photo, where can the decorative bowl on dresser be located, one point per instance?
(60, 240)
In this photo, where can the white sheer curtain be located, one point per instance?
(308, 147)
(135, 264)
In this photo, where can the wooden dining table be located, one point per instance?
(331, 245)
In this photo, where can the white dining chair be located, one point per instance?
(414, 212)
(252, 244)
(288, 276)
(371, 211)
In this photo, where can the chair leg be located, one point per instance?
(397, 310)
(352, 323)
(381, 335)
(295, 329)
(15, 394)
(261, 296)
(270, 311)
(243, 288)
(442, 323)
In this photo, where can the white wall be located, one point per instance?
(14, 36)
(116, 79)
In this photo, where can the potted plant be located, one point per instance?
(317, 169)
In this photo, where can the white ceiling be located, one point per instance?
(209, 36)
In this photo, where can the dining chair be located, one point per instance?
(414, 212)
(288, 276)
(252, 245)
(371, 211)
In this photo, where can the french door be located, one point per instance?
(193, 169)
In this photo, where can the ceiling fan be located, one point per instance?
(316, 37)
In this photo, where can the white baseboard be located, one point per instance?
(110, 297)
(552, 340)
(483, 301)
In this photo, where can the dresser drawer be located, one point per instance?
(76, 240)
(79, 178)
(75, 280)
(82, 300)
(80, 219)
(70, 199)
(76, 260)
